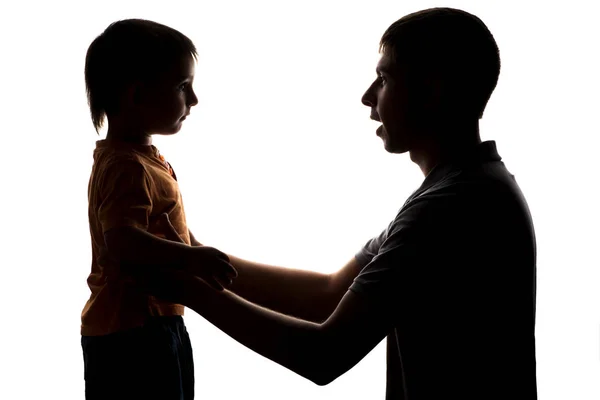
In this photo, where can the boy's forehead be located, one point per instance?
(182, 68)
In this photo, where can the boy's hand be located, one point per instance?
(207, 263)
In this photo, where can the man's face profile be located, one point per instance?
(388, 99)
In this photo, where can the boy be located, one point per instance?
(139, 76)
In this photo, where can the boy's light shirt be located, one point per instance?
(130, 185)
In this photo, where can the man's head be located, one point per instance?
(438, 67)
(144, 71)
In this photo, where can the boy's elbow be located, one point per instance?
(116, 243)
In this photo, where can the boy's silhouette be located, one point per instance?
(139, 76)
(450, 282)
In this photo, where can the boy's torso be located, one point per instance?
(130, 185)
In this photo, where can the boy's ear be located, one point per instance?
(133, 94)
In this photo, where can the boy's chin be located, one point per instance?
(171, 131)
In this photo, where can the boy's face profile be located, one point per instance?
(164, 104)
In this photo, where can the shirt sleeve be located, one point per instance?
(126, 196)
(370, 249)
(400, 264)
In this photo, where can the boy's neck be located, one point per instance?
(133, 136)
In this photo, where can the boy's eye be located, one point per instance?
(182, 86)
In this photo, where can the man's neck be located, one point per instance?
(432, 152)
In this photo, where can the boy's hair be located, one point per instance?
(456, 45)
(128, 51)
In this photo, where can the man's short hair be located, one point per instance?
(452, 43)
(128, 51)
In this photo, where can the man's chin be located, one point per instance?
(394, 147)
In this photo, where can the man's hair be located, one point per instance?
(455, 45)
(128, 51)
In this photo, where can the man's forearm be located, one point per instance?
(303, 294)
(134, 246)
(298, 345)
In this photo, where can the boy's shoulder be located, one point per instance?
(108, 154)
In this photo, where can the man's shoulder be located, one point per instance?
(461, 195)
(460, 185)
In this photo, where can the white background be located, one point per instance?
(279, 163)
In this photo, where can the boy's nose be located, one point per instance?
(193, 100)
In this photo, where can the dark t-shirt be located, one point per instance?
(455, 274)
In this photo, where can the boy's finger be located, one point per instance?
(215, 284)
(231, 271)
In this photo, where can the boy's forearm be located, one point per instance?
(302, 294)
(133, 246)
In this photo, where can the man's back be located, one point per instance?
(456, 272)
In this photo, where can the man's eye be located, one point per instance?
(382, 79)
(182, 86)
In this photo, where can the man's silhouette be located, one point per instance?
(450, 282)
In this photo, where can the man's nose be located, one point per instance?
(368, 99)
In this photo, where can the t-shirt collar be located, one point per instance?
(482, 153)
(149, 149)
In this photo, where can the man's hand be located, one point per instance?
(207, 263)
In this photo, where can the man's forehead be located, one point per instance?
(386, 64)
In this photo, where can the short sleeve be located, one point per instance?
(125, 196)
(370, 249)
(401, 262)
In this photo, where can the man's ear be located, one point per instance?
(434, 92)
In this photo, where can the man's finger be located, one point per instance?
(170, 232)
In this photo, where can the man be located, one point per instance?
(450, 282)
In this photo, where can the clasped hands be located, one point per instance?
(207, 263)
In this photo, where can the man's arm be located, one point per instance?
(318, 352)
(308, 295)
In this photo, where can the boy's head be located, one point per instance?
(438, 66)
(141, 72)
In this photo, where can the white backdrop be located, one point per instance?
(279, 163)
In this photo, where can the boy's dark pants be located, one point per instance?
(151, 362)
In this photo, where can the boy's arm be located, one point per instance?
(136, 246)
(193, 240)
(138, 251)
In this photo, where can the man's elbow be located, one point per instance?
(324, 367)
(323, 376)
(324, 379)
